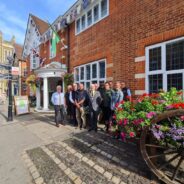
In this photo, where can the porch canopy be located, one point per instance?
(54, 70)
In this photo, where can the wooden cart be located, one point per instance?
(165, 161)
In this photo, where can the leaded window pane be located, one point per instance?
(102, 69)
(82, 73)
(175, 80)
(94, 71)
(89, 17)
(83, 22)
(175, 55)
(78, 25)
(77, 74)
(96, 13)
(155, 83)
(88, 72)
(103, 8)
(155, 59)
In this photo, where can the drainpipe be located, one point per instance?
(68, 50)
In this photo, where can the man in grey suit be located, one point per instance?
(94, 105)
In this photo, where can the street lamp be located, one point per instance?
(10, 103)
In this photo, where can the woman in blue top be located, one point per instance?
(117, 95)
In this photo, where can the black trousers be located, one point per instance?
(59, 114)
(74, 119)
(93, 119)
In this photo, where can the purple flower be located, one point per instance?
(169, 107)
(162, 101)
(150, 115)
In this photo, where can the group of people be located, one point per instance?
(86, 107)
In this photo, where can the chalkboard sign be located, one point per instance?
(21, 105)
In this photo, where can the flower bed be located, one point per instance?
(131, 118)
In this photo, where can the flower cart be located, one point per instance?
(157, 121)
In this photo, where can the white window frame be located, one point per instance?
(98, 79)
(163, 70)
(93, 22)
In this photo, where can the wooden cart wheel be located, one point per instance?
(166, 162)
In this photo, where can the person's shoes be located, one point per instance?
(57, 125)
(89, 130)
(96, 129)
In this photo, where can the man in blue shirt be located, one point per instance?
(58, 102)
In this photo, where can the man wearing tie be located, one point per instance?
(58, 102)
(95, 101)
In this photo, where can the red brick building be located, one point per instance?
(139, 42)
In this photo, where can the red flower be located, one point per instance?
(120, 122)
(145, 95)
(178, 105)
(119, 109)
(125, 122)
(123, 135)
(122, 102)
(154, 102)
(132, 134)
(117, 104)
(179, 93)
(114, 117)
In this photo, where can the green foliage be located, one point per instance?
(68, 80)
(130, 118)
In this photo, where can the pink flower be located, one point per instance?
(117, 104)
(150, 115)
(114, 117)
(132, 134)
(120, 122)
(182, 118)
(123, 135)
(125, 122)
(138, 121)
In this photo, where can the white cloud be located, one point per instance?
(11, 17)
(11, 24)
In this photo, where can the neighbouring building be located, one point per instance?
(139, 42)
(6, 49)
(20, 79)
(11, 48)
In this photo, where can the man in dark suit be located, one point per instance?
(95, 101)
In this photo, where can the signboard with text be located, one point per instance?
(15, 70)
(21, 105)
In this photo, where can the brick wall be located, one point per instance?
(123, 35)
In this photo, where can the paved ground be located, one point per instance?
(33, 150)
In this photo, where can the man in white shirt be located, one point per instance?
(58, 102)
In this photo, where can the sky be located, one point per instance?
(14, 14)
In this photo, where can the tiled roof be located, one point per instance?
(41, 25)
(18, 50)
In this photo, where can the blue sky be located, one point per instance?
(14, 14)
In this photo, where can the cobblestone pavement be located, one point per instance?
(87, 158)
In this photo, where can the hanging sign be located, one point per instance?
(15, 70)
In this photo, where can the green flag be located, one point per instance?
(55, 40)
